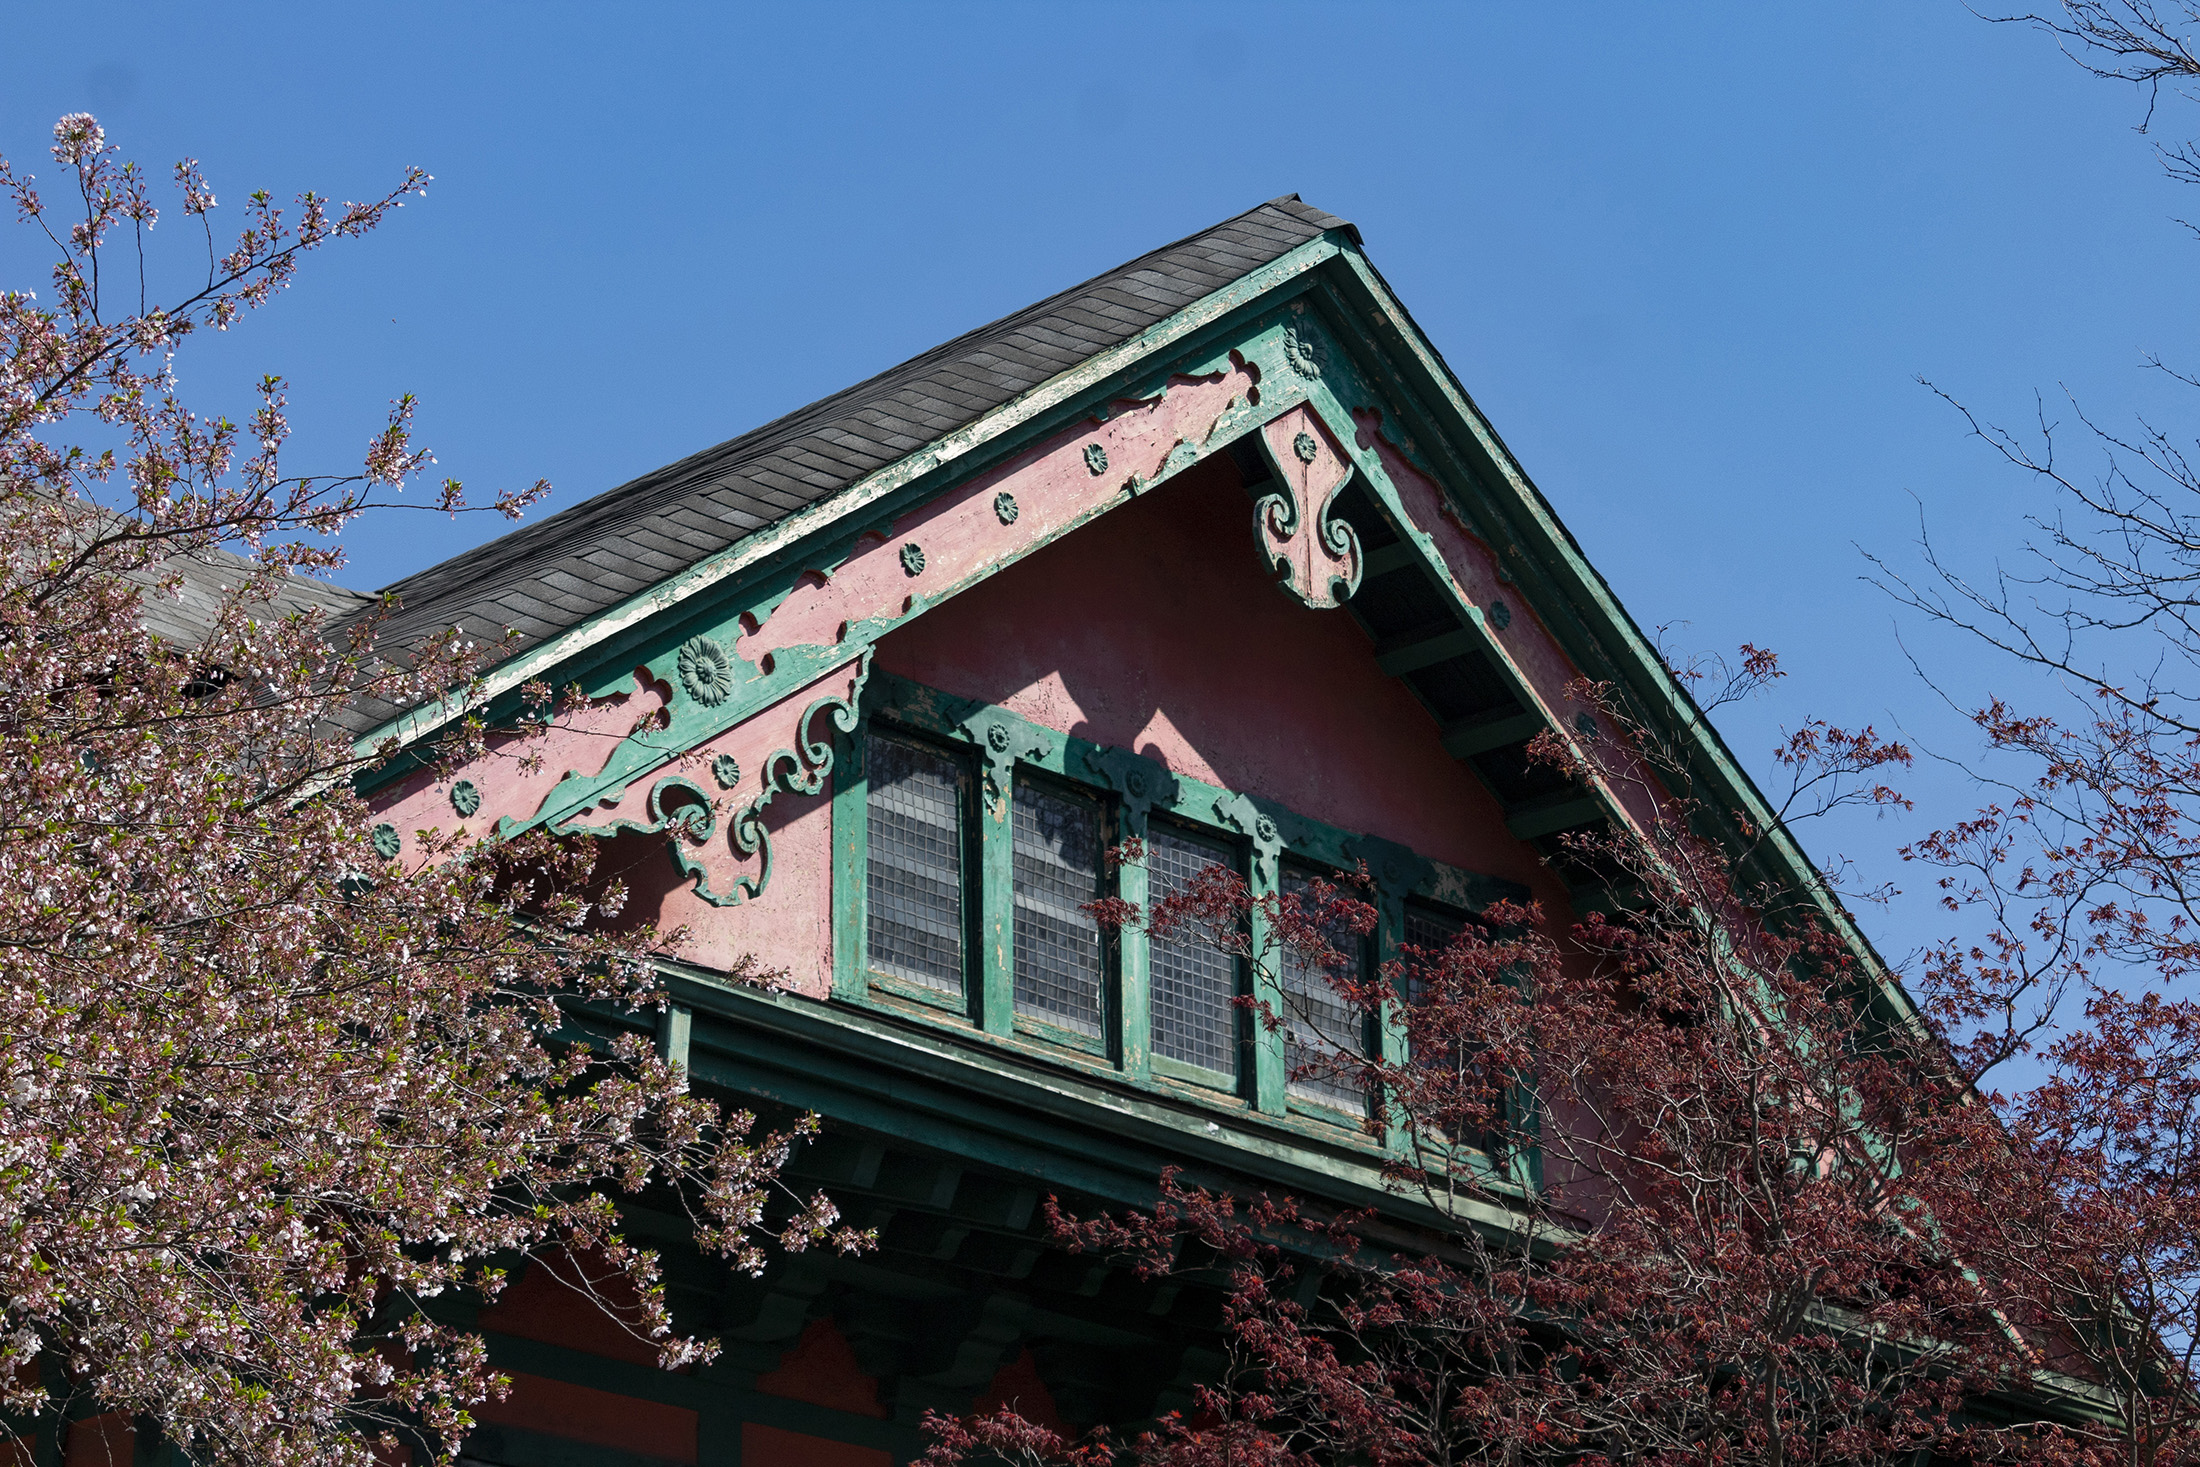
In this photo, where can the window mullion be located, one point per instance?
(1390, 1027)
(1270, 1070)
(996, 903)
(1134, 954)
(851, 866)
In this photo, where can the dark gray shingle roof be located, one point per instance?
(548, 577)
(206, 579)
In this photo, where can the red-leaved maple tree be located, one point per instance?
(1665, 1181)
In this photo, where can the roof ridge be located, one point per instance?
(560, 570)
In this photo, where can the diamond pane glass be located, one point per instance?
(1320, 1025)
(1193, 981)
(916, 886)
(1432, 934)
(1057, 945)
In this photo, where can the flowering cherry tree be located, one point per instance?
(265, 1095)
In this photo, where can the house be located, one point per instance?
(1211, 550)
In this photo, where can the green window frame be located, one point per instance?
(1059, 964)
(916, 868)
(1317, 1019)
(1031, 803)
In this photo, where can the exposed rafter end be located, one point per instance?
(1384, 559)
(1486, 731)
(1440, 648)
(1551, 814)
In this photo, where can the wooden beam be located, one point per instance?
(1552, 813)
(1440, 648)
(1384, 559)
(1492, 730)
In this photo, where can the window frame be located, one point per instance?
(985, 1012)
(1106, 1043)
(1365, 962)
(1243, 1033)
(963, 999)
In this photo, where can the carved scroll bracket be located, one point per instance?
(1259, 827)
(1313, 554)
(1140, 781)
(1396, 871)
(683, 812)
(1001, 739)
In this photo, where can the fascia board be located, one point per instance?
(857, 498)
(1596, 630)
(901, 1080)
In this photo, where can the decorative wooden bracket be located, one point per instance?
(1261, 829)
(1002, 738)
(1312, 554)
(1396, 871)
(1141, 782)
(689, 824)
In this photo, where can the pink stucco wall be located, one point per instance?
(1155, 628)
(789, 929)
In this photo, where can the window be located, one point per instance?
(1057, 946)
(915, 878)
(1432, 932)
(971, 915)
(1194, 982)
(1320, 1024)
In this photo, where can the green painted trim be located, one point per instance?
(868, 491)
(1269, 1070)
(1054, 1116)
(1134, 969)
(1182, 797)
(851, 956)
(1559, 584)
(996, 913)
(1267, 831)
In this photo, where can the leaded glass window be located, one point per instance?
(1322, 1028)
(1432, 932)
(916, 863)
(1193, 981)
(1057, 944)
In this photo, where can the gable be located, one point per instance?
(1256, 574)
(1154, 629)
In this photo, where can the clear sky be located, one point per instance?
(1689, 258)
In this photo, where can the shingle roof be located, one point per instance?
(550, 576)
(206, 578)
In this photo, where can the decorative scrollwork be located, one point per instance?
(1326, 572)
(1142, 783)
(465, 798)
(1259, 827)
(706, 672)
(800, 770)
(1302, 349)
(1397, 870)
(1002, 739)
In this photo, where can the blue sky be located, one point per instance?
(1689, 258)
